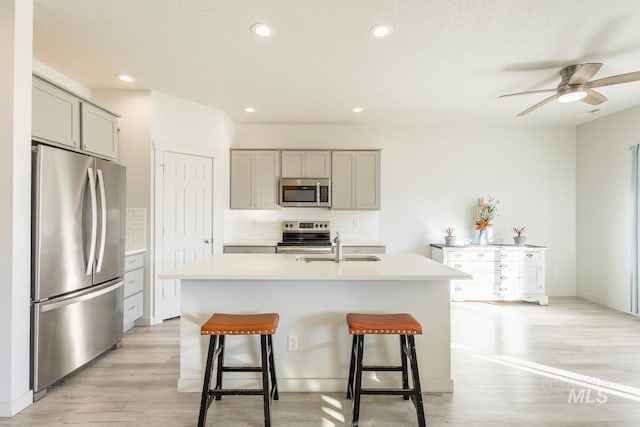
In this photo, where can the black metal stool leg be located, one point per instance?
(266, 400)
(220, 366)
(272, 370)
(358, 381)
(416, 383)
(403, 364)
(352, 365)
(204, 400)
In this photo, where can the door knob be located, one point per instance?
(208, 241)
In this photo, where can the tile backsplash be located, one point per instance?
(136, 233)
(267, 224)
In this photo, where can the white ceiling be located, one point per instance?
(447, 61)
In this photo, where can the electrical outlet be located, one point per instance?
(292, 342)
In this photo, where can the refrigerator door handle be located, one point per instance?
(103, 232)
(94, 221)
(84, 295)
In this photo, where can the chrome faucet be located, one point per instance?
(338, 242)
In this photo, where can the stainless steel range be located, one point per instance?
(305, 237)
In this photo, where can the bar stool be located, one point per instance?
(218, 327)
(404, 325)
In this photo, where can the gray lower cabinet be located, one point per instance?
(62, 118)
(254, 179)
(241, 249)
(133, 305)
(355, 182)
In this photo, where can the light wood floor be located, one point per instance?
(513, 364)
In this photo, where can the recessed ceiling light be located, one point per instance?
(357, 109)
(380, 30)
(249, 110)
(125, 78)
(261, 29)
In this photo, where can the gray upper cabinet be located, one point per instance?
(254, 179)
(55, 115)
(61, 118)
(306, 164)
(99, 131)
(355, 182)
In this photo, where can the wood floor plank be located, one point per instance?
(513, 364)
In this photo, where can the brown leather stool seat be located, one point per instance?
(217, 327)
(402, 324)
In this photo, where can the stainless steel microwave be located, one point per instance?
(305, 192)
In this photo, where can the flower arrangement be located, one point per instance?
(486, 212)
(449, 231)
(519, 230)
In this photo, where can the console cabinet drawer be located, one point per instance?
(133, 282)
(133, 308)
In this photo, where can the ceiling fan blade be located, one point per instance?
(594, 98)
(528, 92)
(538, 105)
(615, 80)
(584, 73)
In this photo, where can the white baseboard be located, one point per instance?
(9, 409)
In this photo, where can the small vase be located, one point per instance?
(449, 240)
(481, 238)
(520, 240)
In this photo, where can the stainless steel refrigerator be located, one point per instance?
(77, 261)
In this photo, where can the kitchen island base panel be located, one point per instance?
(315, 311)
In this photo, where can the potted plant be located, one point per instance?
(449, 239)
(519, 239)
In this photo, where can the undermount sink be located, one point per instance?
(332, 259)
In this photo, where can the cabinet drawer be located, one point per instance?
(133, 261)
(508, 256)
(249, 249)
(133, 282)
(532, 255)
(133, 308)
(474, 266)
(472, 255)
(464, 291)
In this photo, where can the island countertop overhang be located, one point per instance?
(287, 267)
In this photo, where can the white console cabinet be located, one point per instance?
(500, 272)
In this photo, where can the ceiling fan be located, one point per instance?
(576, 86)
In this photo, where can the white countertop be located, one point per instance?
(251, 242)
(285, 267)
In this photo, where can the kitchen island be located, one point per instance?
(312, 344)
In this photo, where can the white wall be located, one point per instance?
(603, 207)
(16, 27)
(433, 175)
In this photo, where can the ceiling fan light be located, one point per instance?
(572, 95)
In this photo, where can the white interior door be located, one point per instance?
(187, 219)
